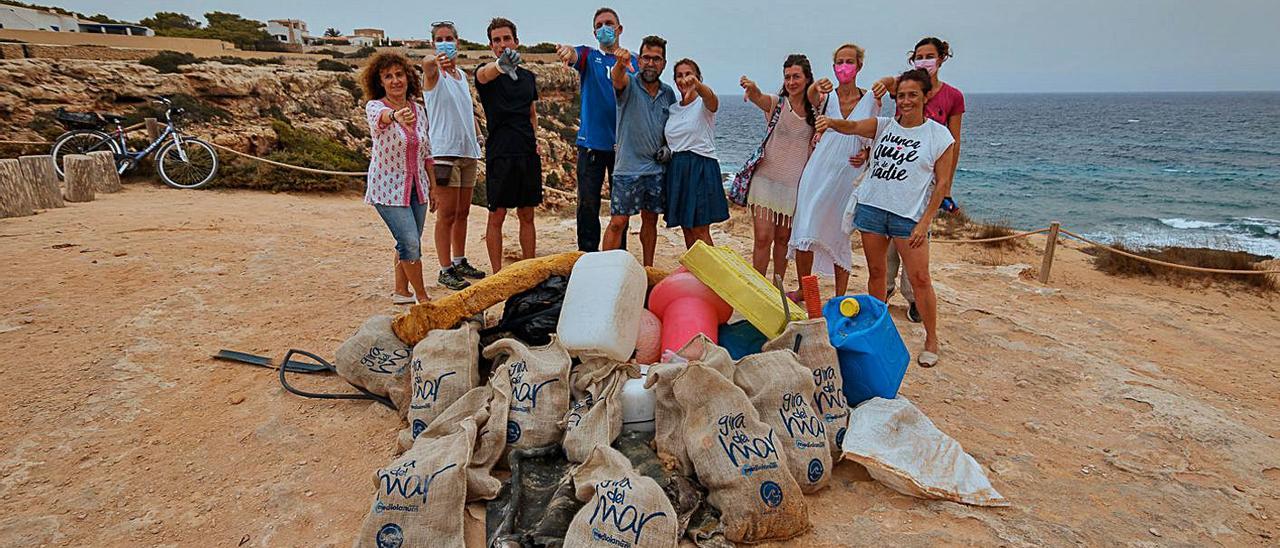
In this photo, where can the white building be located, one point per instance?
(363, 41)
(289, 31)
(20, 18)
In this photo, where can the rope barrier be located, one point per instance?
(989, 240)
(1165, 263)
(289, 166)
(570, 195)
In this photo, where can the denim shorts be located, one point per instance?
(629, 194)
(406, 226)
(873, 220)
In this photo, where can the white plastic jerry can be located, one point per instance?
(600, 315)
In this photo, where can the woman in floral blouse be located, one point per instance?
(400, 170)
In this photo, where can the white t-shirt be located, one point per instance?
(901, 170)
(692, 128)
(451, 118)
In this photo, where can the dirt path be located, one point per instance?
(1109, 411)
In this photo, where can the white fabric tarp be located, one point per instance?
(901, 448)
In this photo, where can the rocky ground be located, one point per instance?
(1108, 410)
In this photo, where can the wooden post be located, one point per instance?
(1049, 247)
(81, 177)
(41, 178)
(108, 180)
(15, 200)
(153, 129)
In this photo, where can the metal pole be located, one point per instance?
(1049, 247)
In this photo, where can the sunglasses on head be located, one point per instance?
(441, 23)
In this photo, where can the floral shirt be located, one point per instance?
(400, 158)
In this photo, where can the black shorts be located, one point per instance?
(513, 181)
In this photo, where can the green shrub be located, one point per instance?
(197, 111)
(541, 47)
(330, 52)
(552, 180)
(352, 87)
(253, 62)
(167, 62)
(1116, 264)
(362, 52)
(333, 66)
(301, 148)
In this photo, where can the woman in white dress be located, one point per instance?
(818, 243)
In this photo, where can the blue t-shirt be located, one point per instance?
(642, 119)
(597, 124)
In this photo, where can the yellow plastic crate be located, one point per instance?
(735, 281)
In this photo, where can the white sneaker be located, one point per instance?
(402, 299)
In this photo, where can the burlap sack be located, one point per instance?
(595, 405)
(623, 508)
(819, 357)
(537, 381)
(668, 436)
(419, 498)
(442, 369)
(374, 358)
(738, 459)
(485, 405)
(778, 387)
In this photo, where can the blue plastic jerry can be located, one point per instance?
(873, 358)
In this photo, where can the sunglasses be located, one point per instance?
(441, 23)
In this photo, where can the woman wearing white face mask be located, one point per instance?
(457, 151)
(817, 239)
(945, 105)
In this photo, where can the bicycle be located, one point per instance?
(181, 161)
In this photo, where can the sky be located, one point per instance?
(999, 45)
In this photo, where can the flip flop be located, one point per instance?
(397, 298)
(927, 359)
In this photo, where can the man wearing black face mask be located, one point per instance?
(643, 106)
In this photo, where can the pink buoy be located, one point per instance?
(649, 342)
(687, 307)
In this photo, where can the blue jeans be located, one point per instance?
(406, 226)
(873, 220)
(593, 166)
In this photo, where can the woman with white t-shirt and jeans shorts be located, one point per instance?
(910, 174)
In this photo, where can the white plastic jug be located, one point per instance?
(637, 404)
(600, 315)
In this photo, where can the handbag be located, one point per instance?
(741, 185)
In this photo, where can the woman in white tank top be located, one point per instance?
(452, 114)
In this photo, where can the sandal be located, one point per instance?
(927, 359)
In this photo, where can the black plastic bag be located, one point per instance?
(532, 316)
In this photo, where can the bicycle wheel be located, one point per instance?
(191, 163)
(80, 141)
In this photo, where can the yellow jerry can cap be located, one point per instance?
(849, 307)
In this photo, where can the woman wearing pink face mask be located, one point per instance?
(817, 239)
(944, 105)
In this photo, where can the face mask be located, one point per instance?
(606, 35)
(845, 73)
(930, 65)
(450, 49)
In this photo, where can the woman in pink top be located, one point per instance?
(776, 179)
(400, 167)
(945, 105)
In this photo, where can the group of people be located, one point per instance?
(828, 164)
